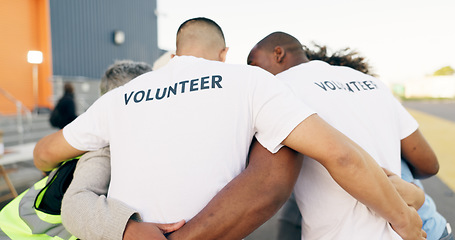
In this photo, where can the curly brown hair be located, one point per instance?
(343, 57)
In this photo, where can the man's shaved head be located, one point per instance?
(200, 36)
(277, 52)
(286, 41)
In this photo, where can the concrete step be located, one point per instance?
(34, 128)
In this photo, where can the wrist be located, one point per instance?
(402, 218)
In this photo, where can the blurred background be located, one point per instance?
(47, 43)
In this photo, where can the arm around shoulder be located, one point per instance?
(52, 150)
(86, 212)
(248, 200)
(356, 172)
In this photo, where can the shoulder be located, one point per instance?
(100, 153)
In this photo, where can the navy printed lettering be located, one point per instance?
(349, 88)
(363, 86)
(368, 85)
(216, 82)
(340, 86)
(182, 83)
(352, 86)
(136, 99)
(172, 89)
(157, 95)
(148, 98)
(204, 82)
(193, 85)
(127, 99)
(331, 85)
(322, 86)
(355, 85)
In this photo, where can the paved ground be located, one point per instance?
(437, 123)
(440, 132)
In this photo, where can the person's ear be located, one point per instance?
(223, 54)
(279, 53)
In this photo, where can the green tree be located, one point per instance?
(444, 71)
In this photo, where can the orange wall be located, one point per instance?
(24, 26)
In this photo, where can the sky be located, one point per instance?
(402, 40)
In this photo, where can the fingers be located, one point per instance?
(170, 227)
(388, 172)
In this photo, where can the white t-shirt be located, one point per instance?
(361, 107)
(178, 135)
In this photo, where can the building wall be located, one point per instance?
(24, 25)
(82, 34)
(431, 87)
(79, 44)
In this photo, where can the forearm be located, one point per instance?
(371, 187)
(86, 212)
(413, 195)
(51, 150)
(247, 201)
(355, 171)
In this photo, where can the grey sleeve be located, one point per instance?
(86, 211)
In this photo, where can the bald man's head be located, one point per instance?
(277, 52)
(201, 37)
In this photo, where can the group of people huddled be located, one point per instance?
(202, 149)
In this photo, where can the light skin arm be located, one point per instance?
(420, 156)
(53, 149)
(411, 193)
(356, 172)
(247, 201)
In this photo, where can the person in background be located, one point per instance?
(363, 109)
(65, 110)
(35, 214)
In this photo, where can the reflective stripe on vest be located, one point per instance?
(20, 219)
(38, 225)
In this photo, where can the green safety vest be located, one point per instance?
(35, 214)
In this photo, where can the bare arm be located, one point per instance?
(420, 156)
(411, 193)
(52, 150)
(247, 201)
(355, 171)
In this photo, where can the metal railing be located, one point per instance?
(21, 110)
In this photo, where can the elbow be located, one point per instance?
(40, 158)
(427, 172)
(434, 169)
(346, 159)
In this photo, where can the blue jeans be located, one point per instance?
(446, 235)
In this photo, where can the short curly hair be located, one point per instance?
(344, 57)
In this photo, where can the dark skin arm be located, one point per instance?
(248, 200)
(419, 155)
